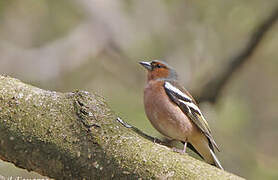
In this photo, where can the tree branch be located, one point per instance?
(76, 135)
(210, 91)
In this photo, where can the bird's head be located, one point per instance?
(159, 70)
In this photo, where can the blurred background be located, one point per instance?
(95, 45)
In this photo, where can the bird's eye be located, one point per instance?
(158, 66)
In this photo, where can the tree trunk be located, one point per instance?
(76, 136)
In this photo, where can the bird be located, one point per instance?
(174, 112)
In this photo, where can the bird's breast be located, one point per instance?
(164, 115)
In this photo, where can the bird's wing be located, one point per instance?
(189, 106)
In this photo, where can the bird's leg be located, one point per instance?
(184, 147)
(179, 150)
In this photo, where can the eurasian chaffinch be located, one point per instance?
(174, 112)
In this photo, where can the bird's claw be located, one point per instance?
(178, 150)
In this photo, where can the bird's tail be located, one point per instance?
(216, 161)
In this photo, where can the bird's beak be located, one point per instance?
(146, 65)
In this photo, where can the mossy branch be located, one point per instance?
(76, 136)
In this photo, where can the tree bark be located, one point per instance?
(76, 136)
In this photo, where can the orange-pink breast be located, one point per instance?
(164, 115)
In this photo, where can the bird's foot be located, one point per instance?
(178, 150)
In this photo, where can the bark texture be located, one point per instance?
(76, 136)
